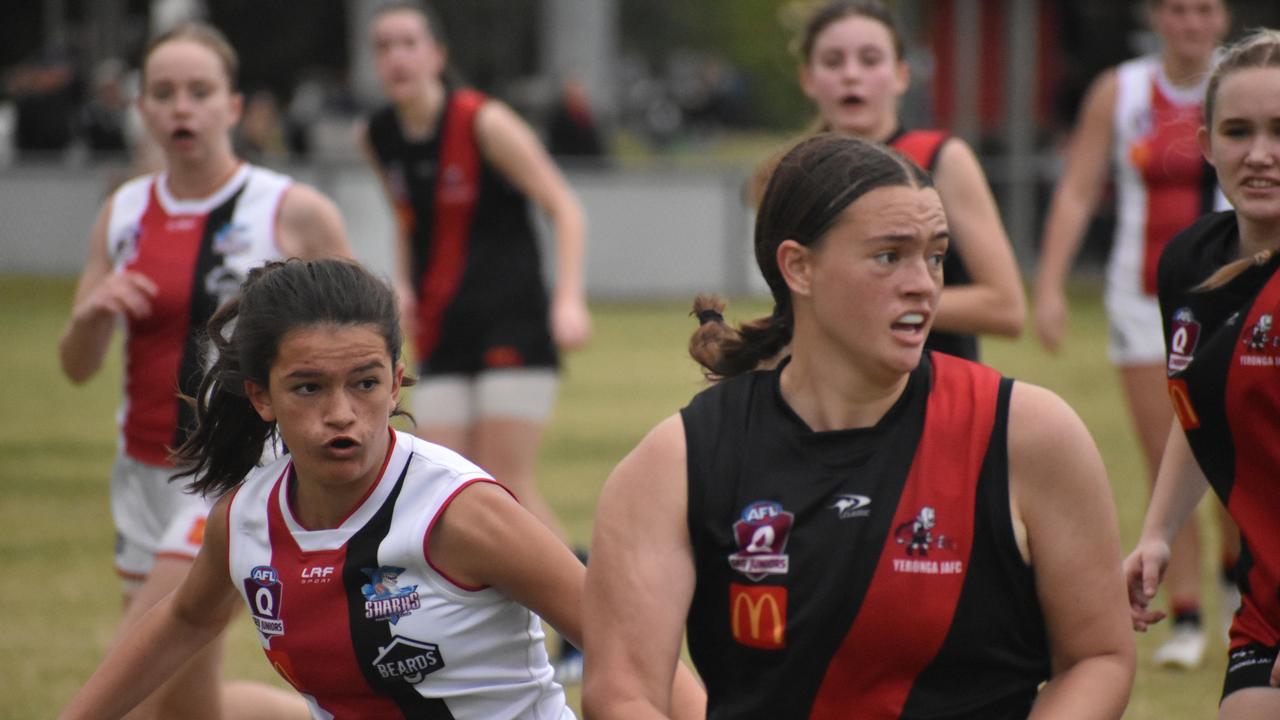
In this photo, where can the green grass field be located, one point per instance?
(60, 598)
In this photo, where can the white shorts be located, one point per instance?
(154, 517)
(460, 400)
(1135, 329)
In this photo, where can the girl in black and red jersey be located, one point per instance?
(165, 250)
(869, 529)
(460, 170)
(1219, 293)
(853, 69)
(1137, 128)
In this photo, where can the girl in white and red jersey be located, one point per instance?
(1141, 118)
(852, 68)
(387, 576)
(1219, 290)
(165, 250)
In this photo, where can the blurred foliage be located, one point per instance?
(753, 36)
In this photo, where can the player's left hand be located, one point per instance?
(570, 322)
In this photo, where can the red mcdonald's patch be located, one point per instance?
(758, 615)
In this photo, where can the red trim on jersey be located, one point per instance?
(176, 555)
(426, 538)
(922, 146)
(166, 253)
(456, 195)
(382, 471)
(231, 498)
(1171, 164)
(874, 669)
(131, 575)
(1252, 395)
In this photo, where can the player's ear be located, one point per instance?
(260, 399)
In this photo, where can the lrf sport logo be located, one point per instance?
(758, 615)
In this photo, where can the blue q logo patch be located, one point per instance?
(1184, 335)
(761, 536)
(263, 590)
(384, 598)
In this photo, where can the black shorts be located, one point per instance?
(1247, 667)
(469, 344)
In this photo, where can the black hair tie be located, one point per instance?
(709, 315)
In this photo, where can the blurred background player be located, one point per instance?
(1219, 290)
(165, 250)
(460, 169)
(1141, 117)
(978, 551)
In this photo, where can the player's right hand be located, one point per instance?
(1143, 571)
(125, 292)
(1050, 313)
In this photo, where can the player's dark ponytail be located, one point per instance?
(229, 436)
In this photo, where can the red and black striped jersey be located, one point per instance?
(476, 264)
(1223, 352)
(860, 573)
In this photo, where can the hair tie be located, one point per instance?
(709, 315)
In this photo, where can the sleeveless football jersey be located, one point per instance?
(868, 573)
(1223, 351)
(923, 147)
(1162, 180)
(360, 622)
(197, 252)
(475, 260)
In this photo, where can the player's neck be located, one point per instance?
(418, 115)
(834, 395)
(1258, 236)
(200, 180)
(1185, 72)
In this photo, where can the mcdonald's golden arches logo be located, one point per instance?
(758, 615)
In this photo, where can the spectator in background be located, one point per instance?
(44, 95)
(572, 132)
(260, 139)
(102, 119)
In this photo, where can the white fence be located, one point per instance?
(651, 233)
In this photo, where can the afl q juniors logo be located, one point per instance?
(761, 535)
(262, 588)
(1183, 337)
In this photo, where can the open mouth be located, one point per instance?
(912, 322)
(852, 101)
(342, 443)
(183, 134)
